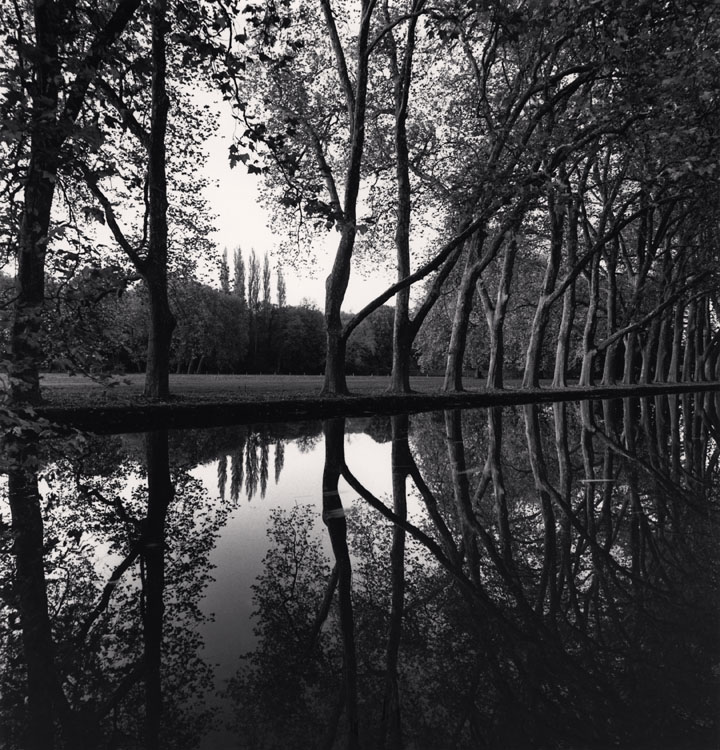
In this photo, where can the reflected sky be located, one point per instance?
(539, 576)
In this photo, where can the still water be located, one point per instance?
(540, 576)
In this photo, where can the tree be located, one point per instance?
(281, 289)
(148, 245)
(224, 273)
(239, 276)
(49, 125)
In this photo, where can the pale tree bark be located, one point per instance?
(495, 315)
(562, 350)
(461, 318)
(475, 265)
(589, 351)
(608, 376)
(557, 204)
(337, 281)
(662, 352)
(676, 349)
(689, 350)
(402, 73)
(649, 349)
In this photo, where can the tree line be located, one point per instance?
(543, 177)
(545, 172)
(243, 327)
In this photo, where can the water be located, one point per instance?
(542, 576)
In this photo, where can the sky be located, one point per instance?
(242, 221)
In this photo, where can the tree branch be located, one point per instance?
(128, 118)
(105, 37)
(109, 211)
(340, 60)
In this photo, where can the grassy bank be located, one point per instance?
(79, 391)
(203, 400)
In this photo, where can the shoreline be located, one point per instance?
(272, 404)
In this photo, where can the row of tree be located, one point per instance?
(92, 329)
(549, 164)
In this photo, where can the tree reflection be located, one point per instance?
(30, 595)
(540, 577)
(109, 647)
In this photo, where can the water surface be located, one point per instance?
(539, 576)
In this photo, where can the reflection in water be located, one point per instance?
(538, 577)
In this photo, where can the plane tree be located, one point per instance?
(54, 53)
(616, 172)
(141, 179)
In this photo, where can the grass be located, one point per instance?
(118, 403)
(77, 390)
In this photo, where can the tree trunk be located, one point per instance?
(49, 128)
(161, 326)
(401, 462)
(678, 325)
(31, 592)
(337, 281)
(531, 378)
(649, 351)
(629, 366)
(160, 493)
(689, 353)
(334, 518)
(497, 352)
(562, 351)
(162, 323)
(608, 377)
(461, 319)
(26, 349)
(402, 337)
(661, 353)
(402, 347)
(589, 351)
(495, 316)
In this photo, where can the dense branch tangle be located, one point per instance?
(441, 123)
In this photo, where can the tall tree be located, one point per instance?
(46, 59)
(148, 184)
(239, 275)
(281, 289)
(224, 273)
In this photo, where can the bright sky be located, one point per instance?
(241, 221)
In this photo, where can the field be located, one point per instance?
(77, 390)
(118, 404)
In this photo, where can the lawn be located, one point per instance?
(78, 390)
(200, 400)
